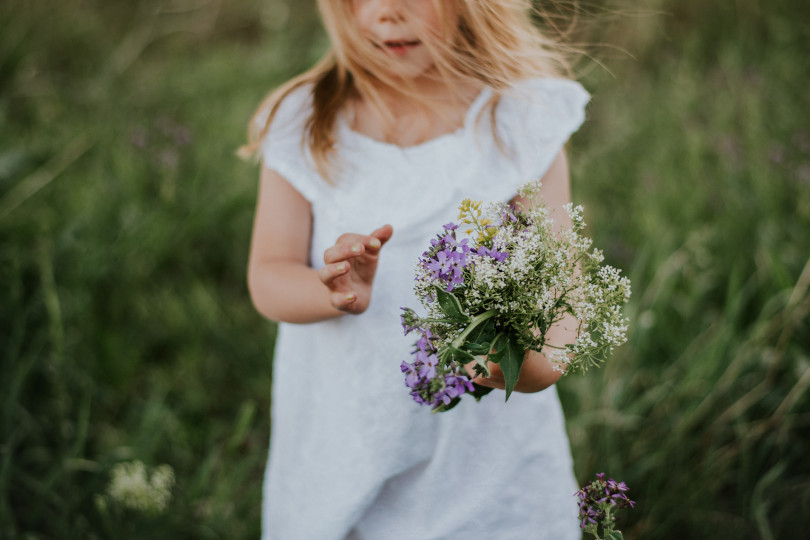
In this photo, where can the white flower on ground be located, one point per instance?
(135, 487)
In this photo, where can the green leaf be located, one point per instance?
(498, 344)
(460, 356)
(476, 348)
(509, 355)
(542, 325)
(482, 366)
(483, 333)
(450, 305)
(444, 408)
(614, 535)
(445, 356)
(480, 391)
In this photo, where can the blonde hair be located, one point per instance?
(492, 43)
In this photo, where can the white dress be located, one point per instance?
(352, 455)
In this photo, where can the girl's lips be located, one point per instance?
(400, 47)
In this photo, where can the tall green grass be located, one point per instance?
(127, 333)
(695, 171)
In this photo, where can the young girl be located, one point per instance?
(419, 104)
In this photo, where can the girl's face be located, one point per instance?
(399, 29)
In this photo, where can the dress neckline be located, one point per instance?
(469, 117)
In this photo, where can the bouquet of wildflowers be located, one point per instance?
(494, 295)
(598, 503)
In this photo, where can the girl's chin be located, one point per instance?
(412, 72)
(412, 81)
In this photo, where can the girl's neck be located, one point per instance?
(410, 119)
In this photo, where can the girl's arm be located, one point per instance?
(537, 372)
(282, 284)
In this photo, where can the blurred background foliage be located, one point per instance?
(126, 331)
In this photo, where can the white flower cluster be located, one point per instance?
(134, 487)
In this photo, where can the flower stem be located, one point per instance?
(476, 321)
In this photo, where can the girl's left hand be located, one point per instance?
(536, 374)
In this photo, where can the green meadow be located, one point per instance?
(127, 333)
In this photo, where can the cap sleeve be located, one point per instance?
(536, 118)
(283, 150)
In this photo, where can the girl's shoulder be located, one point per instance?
(535, 118)
(545, 103)
(283, 146)
(538, 112)
(292, 110)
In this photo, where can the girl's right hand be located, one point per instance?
(350, 266)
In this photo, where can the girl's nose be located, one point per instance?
(390, 11)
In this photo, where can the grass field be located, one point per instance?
(126, 331)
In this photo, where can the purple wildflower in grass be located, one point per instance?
(598, 502)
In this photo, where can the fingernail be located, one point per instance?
(341, 267)
(356, 248)
(375, 243)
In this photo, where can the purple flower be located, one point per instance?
(427, 369)
(599, 499)
(508, 214)
(450, 226)
(409, 320)
(446, 260)
(424, 343)
(405, 328)
(499, 256)
(430, 382)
